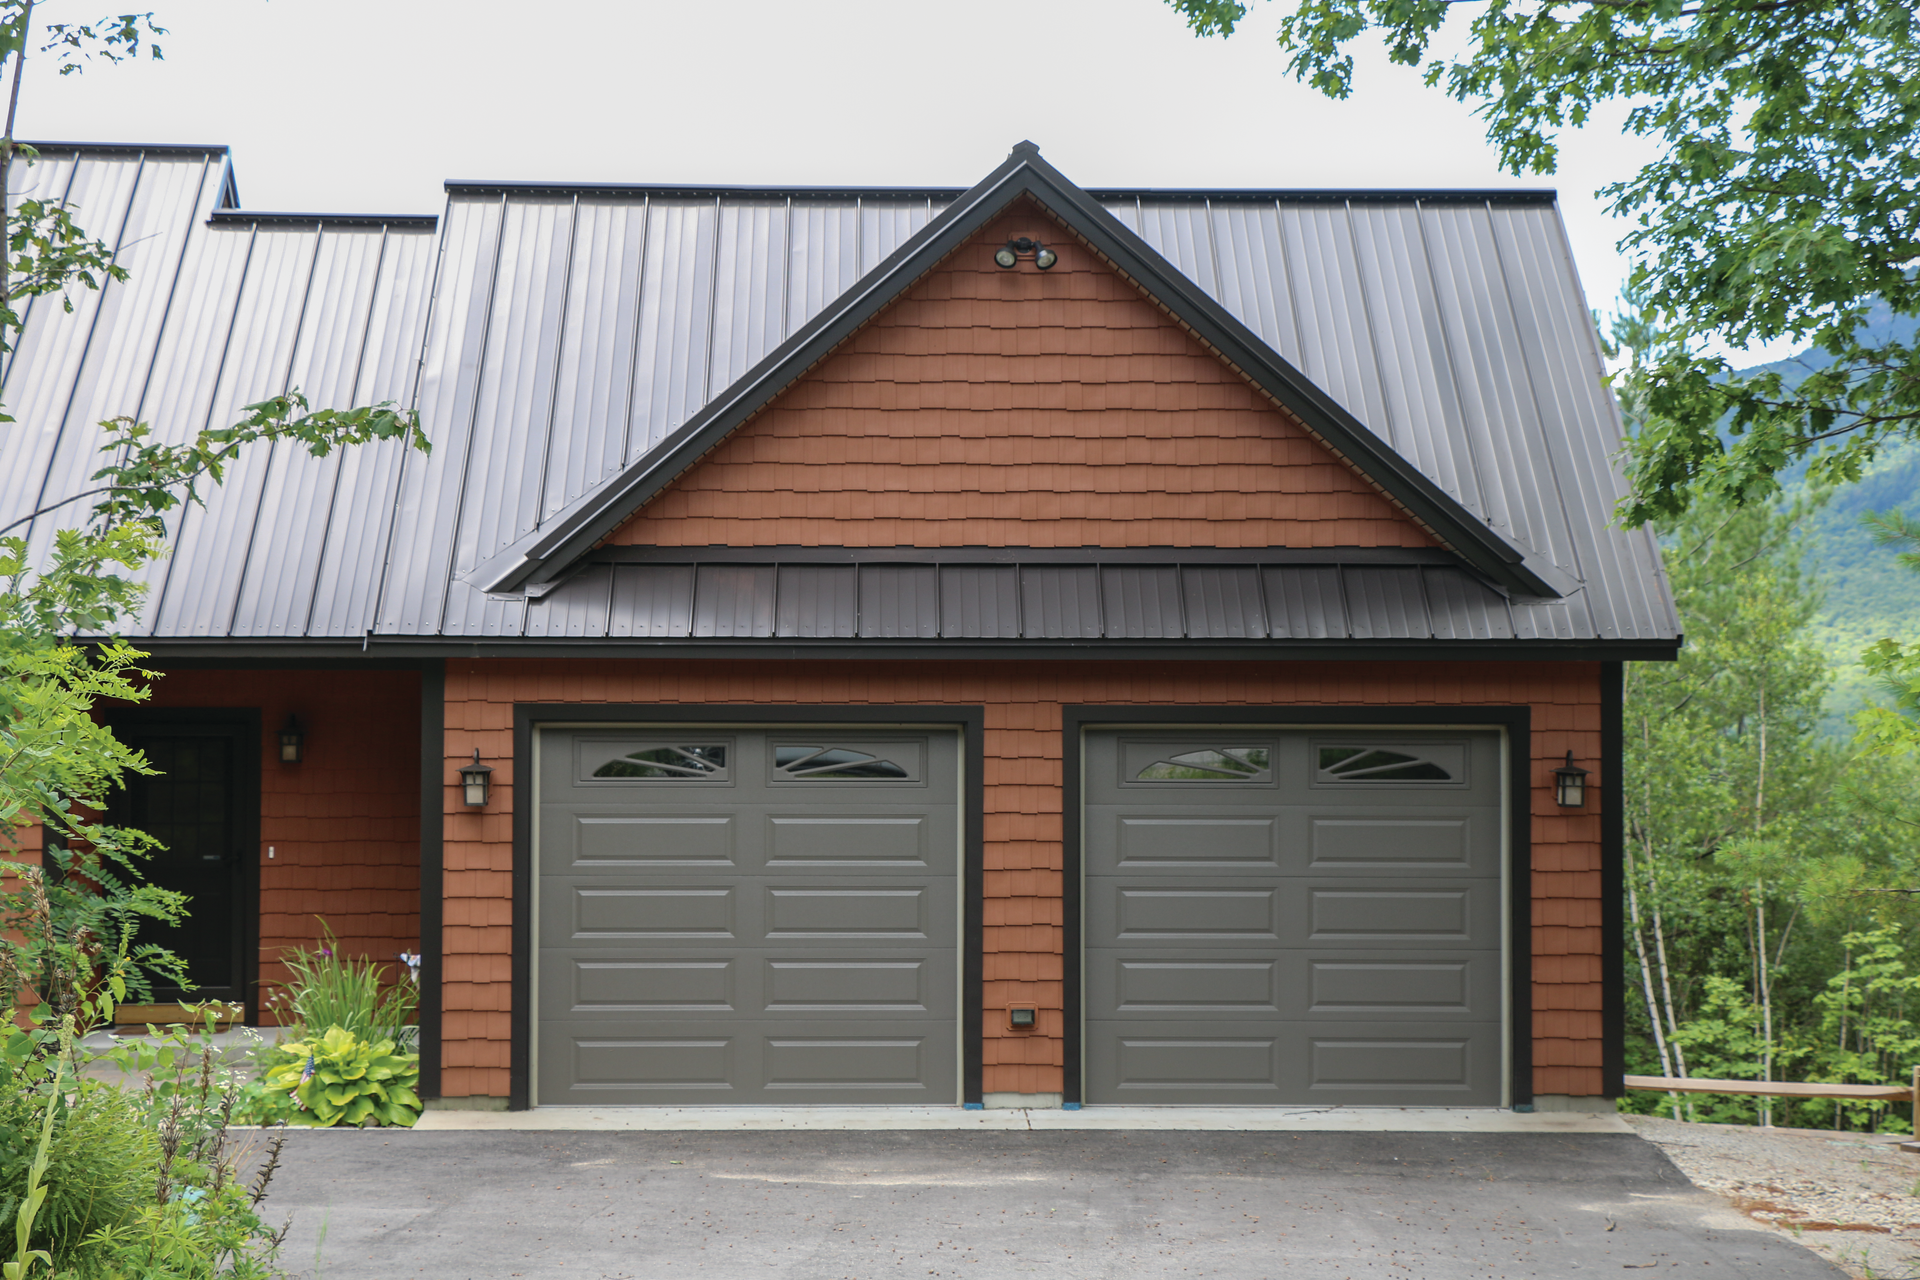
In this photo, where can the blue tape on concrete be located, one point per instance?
(1069, 1106)
(973, 1106)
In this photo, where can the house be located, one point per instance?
(1016, 646)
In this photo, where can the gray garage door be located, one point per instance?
(1299, 917)
(737, 916)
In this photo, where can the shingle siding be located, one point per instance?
(1021, 408)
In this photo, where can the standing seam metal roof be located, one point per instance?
(552, 337)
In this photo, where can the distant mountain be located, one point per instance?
(1867, 592)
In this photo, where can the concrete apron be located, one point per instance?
(235, 1046)
(1460, 1120)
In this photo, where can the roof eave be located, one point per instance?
(377, 649)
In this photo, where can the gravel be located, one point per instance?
(1850, 1196)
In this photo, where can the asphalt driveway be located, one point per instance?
(1066, 1205)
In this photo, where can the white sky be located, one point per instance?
(359, 106)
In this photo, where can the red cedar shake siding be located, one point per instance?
(1022, 821)
(25, 846)
(1021, 408)
(344, 823)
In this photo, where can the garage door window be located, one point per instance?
(662, 764)
(1398, 765)
(1213, 764)
(835, 764)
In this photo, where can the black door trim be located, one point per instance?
(1613, 883)
(971, 721)
(242, 726)
(433, 748)
(1517, 721)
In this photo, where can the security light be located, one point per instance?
(1022, 1018)
(1008, 255)
(477, 778)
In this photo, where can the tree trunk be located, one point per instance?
(1763, 973)
(1654, 1012)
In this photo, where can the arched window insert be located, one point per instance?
(834, 763)
(679, 764)
(1378, 764)
(1212, 764)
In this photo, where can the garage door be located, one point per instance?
(734, 916)
(1301, 917)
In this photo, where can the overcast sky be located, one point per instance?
(369, 105)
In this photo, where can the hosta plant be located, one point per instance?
(339, 1078)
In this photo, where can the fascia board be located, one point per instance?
(391, 652)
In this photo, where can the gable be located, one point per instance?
(990, 407)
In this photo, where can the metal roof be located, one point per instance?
(553, 339)
(1117, 600)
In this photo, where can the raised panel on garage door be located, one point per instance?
(747, 915)
(1293, 917)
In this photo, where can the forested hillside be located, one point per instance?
(1865, 593)
(1770, 866)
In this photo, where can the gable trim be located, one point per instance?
(548, 552)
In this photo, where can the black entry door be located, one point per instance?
(203, 806)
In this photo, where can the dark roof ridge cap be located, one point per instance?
(475, 186)
(128, 148)
(417, 221)
(1338, 195)
(1282, 195)
(596, 513)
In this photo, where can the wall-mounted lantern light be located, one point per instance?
(1008, 256)
(1570, 785)
(293, 743)
(1022, 1018)
(477, 779)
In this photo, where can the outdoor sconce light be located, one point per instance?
(1570, 785)
(477, 778)
(293, 743)
(1022, 1018)
(1009, 255)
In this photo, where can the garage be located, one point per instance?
(733, 915)
(1294, 917)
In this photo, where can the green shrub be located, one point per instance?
(101, 1166)
(330, 990)
(200, 1234)
(100, 1182)
(340, 1078)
